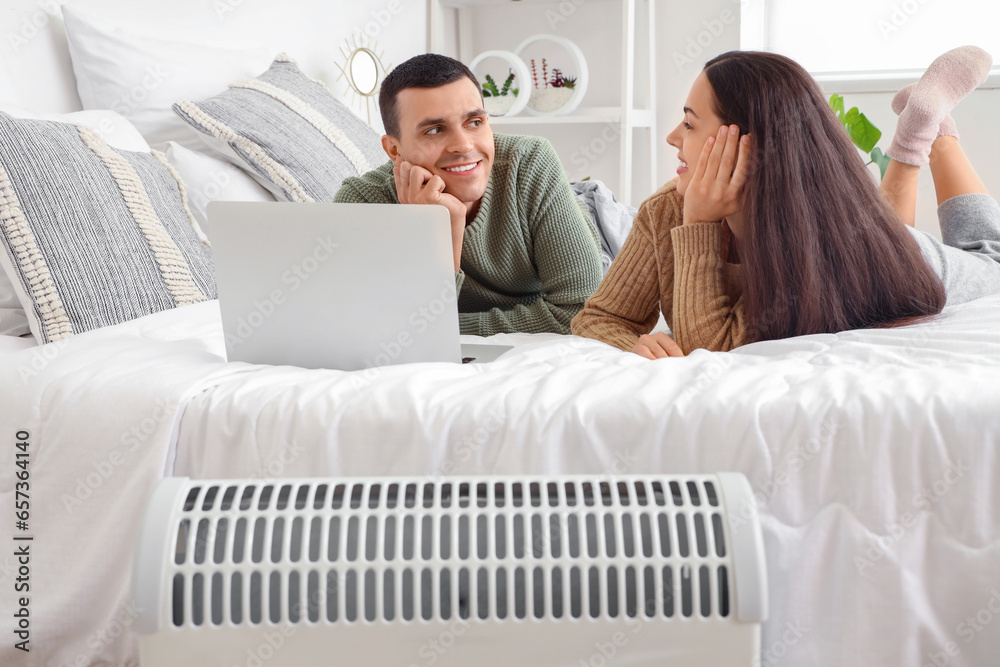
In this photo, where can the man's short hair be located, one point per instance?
(428, 70)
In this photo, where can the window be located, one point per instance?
(870, 44)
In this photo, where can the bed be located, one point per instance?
(872, 454)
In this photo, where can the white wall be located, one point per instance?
(35, 70)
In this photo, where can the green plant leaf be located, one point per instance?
(837, 104)
(863, 133)
(881, 159)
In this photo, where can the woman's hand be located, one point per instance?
(716, 189)
(657, 346)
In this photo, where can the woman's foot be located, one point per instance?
(951, 77)
(947, 128)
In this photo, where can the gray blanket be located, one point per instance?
(612, 218)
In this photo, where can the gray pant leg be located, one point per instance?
(972, 223)
(966, 274)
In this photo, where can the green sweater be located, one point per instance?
(531, 257)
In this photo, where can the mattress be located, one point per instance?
(873, 455)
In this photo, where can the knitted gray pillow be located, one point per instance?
(93, 235)
(288, 131)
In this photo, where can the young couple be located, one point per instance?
(773, 228)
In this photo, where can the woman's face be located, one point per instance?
(699, 123)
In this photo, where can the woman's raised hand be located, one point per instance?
(716, 189)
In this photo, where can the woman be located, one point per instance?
(774, 227)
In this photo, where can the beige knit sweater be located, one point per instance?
(679, 269)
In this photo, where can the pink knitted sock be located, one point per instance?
(947, 126)
(951, 76)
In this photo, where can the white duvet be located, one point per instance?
(874, 455)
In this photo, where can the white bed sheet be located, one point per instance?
(874, 454)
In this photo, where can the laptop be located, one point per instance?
(342, 286)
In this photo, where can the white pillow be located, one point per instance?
(117, 132)
(210, 179)
(141, 76)
(113, 128)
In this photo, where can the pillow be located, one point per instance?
(93, 235)
(117, 132)
(288, 131)
(140, 76)
(211, 179)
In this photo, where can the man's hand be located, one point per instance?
(657, 346)
(416, 185)
(716, 189)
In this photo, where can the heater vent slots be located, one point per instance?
(400, 551)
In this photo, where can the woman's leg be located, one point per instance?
(952, 172)
(899, 187)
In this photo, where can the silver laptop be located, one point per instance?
(342, 286)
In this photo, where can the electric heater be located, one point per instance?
(453, 572)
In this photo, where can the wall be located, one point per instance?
(36, 74)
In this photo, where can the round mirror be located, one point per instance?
(364, 71)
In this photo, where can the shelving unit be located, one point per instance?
(626, 117)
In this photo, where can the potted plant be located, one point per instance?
(863, 133)
(554, 92)
(499, 100)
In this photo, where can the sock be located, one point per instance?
(947, 126)
(951, 76)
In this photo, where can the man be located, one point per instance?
(526, 254)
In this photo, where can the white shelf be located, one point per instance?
(462, 4)
(624, 118)
(597, 115)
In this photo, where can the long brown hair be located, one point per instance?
(822, 250)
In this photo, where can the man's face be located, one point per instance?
(446, 131)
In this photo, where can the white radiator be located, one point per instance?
(514, 571)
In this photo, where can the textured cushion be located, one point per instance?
(115, 130)
(93, 235)
(210, 179)
(288, 131)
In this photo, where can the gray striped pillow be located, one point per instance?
(93, 235)
(288, 131)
